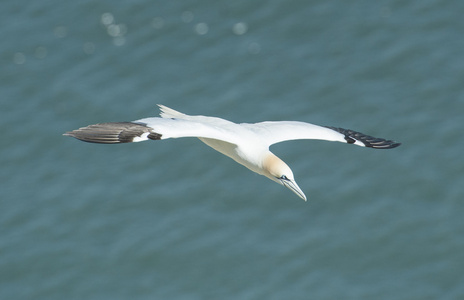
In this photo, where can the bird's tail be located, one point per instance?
(169, 113)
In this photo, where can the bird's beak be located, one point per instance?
(291, 184)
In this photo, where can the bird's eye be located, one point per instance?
(283, 177)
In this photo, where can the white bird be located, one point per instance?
(247, 144)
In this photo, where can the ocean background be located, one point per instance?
(176, 220)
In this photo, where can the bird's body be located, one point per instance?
(247, 144)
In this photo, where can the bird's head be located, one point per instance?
(278, 171)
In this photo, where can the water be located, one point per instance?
(176, 220)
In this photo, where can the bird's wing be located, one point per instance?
(153, 129)
(275, 132)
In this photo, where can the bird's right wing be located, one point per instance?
(151, 129)
(276, 132)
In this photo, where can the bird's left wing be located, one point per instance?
(275, 132)
(151, 129)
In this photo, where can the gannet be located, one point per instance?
(247, 144)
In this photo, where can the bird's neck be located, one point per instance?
(272, 165)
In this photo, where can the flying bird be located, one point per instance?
(247, 144)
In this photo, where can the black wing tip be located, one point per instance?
(352, 136)
(113, 133)
(387, 145)
(394, 145)
(93, 138)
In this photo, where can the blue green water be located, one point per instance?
(174, 219)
